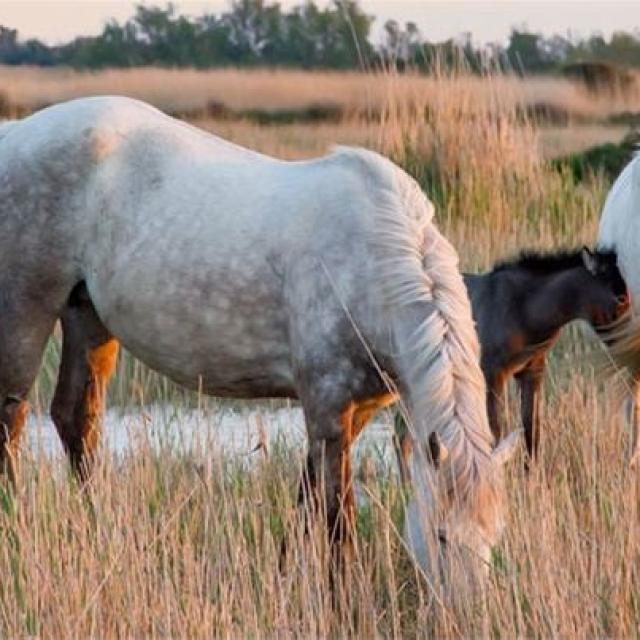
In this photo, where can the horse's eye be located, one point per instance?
(442, 537)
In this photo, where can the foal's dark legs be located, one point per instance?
(89, 354)
(530, 381)
(496, 384)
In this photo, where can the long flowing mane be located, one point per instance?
(416, 264)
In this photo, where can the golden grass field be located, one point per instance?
(165, 543)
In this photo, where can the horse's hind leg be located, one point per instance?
(23, 337)
(14, 415)
(89, 354)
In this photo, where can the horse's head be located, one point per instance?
(452, 536)
(606, 296)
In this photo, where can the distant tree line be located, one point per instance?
(251, 33)
(261, 33)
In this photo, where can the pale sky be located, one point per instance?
(489, 20)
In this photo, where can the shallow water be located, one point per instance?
(233, 432)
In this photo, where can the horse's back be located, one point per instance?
(198, 255)
(102, 177)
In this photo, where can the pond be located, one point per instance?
(235, 431)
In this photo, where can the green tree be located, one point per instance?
(526, 54)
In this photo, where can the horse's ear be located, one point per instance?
(437, 451)
(590, 260)
(507, 447)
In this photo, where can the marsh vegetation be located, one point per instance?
(176, 542)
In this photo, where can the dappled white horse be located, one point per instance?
(620, 230)
(243, 276)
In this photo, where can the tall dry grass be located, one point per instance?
(293, 141)
(186, 544)
(188, 89)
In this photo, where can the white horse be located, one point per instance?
(620, 230)
(244, 276)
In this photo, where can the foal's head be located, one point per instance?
(581, 284)
(605, 297)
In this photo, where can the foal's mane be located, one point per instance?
(440, 359)
(543, 263)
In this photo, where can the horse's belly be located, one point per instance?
(226, 374)
(226, 344)
(221, 369)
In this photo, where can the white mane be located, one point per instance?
(441, 360)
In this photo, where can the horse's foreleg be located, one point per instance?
(325, 486)
(328, 480)
(401, 438)
(89, 356)
(530, 382)
(332, 456)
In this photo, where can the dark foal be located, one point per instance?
(519, 307)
